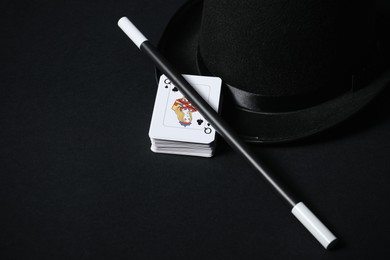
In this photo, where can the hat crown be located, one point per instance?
(283, 47)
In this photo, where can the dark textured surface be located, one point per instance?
(78, 181)
(287, 48)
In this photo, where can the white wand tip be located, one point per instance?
(131, 31)
(314, 225)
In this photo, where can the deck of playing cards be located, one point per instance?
(177, 127)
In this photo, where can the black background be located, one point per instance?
(78, 179)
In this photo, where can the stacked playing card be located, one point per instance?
(177, 127)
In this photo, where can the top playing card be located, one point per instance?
(176, 119)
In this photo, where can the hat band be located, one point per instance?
(260, 103)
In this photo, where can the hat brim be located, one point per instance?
(179, 44)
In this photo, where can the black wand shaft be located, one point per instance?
(217, 121)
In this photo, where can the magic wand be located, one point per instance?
(300, 211)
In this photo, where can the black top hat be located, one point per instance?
(291, 68)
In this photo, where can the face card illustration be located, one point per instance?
(180, 113)
(183, 110)
(175, 118)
